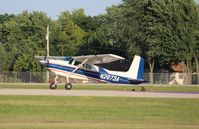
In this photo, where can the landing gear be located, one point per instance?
(53, 85)
(68, 86)
(143, 89)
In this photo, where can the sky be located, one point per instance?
(53, 7)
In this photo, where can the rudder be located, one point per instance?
(136, 70)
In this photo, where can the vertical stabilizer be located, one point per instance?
(136, 70)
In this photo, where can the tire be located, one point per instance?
(53, 85)
(68, 86)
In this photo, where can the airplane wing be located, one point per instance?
(98, 59)
(91, 59)
(53, 57)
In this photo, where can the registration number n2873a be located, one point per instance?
(110, 77)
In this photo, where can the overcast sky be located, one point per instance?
(54, 7)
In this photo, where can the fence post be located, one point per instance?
(30, 76)
(15, 76)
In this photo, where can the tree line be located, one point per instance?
(163, 32)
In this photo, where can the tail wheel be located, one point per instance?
(68, 86)
(53, 85)
(143, 89)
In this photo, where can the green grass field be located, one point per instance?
(108, 87)
(21, 112)
(48, 112)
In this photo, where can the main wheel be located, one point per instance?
(68, 86)
(53, 85)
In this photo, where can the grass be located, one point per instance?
(49, 112)
(108, 87)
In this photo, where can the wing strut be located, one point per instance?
(67, 78)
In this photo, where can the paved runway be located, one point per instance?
(96, 93)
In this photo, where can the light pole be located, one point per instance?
(47, 50)
(47, 42)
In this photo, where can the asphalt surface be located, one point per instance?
(48, 92)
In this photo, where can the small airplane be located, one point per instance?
(85, 68)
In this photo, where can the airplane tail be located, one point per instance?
(136, 70)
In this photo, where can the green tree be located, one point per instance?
(87, 23)
(196, 50)
(67, 33)
(23, 36)
(3, 32)
(26, 63)
(101, 39)
(160, 30)
(3, 59)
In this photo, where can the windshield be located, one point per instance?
(71, 61)
(67, 58)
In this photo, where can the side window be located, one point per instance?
(77, 63)
(88, 66)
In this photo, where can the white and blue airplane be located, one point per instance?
(85, 69)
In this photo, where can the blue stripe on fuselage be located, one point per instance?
(79, 71)
(101, 70)
(92, 74)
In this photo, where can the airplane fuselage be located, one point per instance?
(89, 72)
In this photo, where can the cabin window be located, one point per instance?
(87, 66)
(77, 63)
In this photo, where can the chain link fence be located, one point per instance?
(173, 78)
(41, 77)
(23, 77)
